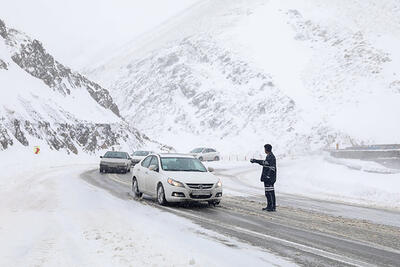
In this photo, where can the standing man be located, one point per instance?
(268, 176)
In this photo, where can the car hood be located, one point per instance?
(110, 160)
(193, 177)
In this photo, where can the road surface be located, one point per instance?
(321, 233)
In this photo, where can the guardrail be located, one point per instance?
(365, 154)
(387, 155)
(241, 157)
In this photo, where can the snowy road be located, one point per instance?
(321, 233)
(239, 186)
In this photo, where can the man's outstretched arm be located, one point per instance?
(261, 162)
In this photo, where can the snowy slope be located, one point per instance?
(302, 75)
(42, 102)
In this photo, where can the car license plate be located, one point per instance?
(201, 192)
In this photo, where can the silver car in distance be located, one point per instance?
(205, 154)
(137, 156)
(117, 161)
(175, 178)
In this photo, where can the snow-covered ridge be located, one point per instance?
(31, 56)
(196, 87)
(296, 74)
(43, 102)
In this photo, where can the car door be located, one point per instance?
(142, 174)
(129, 162)
(153, 176)
(203, 154)
(213, 154)
(207, 154)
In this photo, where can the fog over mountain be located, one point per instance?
(79, 33)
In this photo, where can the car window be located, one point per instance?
(146, 162)
(212, 150)
(141, 153)
(115, 155)
(182, 164)
(196, 150)
(154, 161)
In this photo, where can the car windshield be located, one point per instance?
(182, 164)
(115, 155)
(196, 150)
(141, 153)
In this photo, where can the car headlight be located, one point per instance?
(219, 184)
(174, 183)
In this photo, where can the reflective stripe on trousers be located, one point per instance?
(269, 188)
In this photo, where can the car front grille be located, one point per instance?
(200, 196)
(200, 186)
(112, 164)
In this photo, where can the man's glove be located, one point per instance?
(252, 160)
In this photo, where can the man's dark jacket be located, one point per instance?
(268, 175)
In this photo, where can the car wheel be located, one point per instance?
(216, 158)
(201, 158)
(101, 170)
(135, 188)
(129, 169)
(161, 195)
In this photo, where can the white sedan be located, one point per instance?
(205, 154)
(137, 156)
(175, 178)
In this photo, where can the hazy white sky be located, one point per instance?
(77, 31)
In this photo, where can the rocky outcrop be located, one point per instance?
(68, 137)
(32, 57)
(3, 30)
(33, 119)
(205, 89)
(3, 65)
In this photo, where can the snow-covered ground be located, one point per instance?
(319, 177)
(51, 217)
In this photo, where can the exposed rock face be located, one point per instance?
(88, 137)
(207, 90)
(31, 56)
(3, 30)
(3, 65)
(34, 120)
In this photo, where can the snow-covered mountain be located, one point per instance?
(302, 75)
(43, 102)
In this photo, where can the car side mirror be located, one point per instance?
(101, 157)
(153, 168)
(210, 169)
